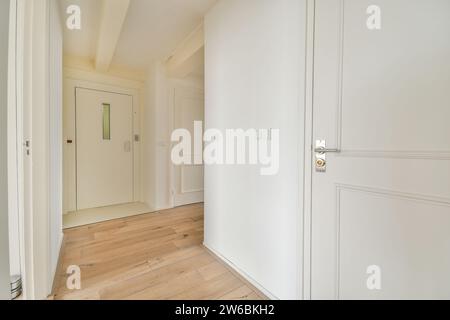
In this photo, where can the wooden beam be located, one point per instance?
(113, 16)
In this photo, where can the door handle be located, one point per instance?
(321, 148)
(321, 158)
(325, 150)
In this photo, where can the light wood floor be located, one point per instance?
(148, 257)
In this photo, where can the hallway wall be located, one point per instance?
(255, 70)
(157, 129)
(156, 137)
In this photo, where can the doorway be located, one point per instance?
(188, 180)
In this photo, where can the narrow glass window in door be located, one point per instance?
(106, 121)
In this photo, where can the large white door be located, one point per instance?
(189, 179)
(381, 210)
(104, 126)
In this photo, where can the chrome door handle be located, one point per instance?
(325, 150)
(321, 159)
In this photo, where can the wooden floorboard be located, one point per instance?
(154, 256)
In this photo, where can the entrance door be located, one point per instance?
(104, 125)
(189, 107)
(381, 200)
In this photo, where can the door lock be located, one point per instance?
(320, 163)
(321, 155)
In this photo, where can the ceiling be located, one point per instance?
(82, 43)
(152, 29)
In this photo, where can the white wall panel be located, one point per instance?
(255, 71)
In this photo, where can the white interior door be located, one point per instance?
(382, 99)
(104, 126)
(189, 179)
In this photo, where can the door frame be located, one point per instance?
(308, 152)
(7, 161)
(32, 112)
(70, 166)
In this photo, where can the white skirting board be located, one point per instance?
(244, 275)
(96, 215)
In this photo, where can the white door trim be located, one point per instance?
(308, 160)
(23, 15)
(70, 86)
(32, 118)
(13, 181)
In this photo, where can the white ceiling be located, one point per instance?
(152, 30)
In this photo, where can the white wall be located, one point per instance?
(157, 129)
(255, 70)
(161, 113)
(148, 140)
(155, 144)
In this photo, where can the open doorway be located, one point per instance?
(129, 80)
(120, 106)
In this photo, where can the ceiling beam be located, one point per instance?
(189, 56)
(113, 17)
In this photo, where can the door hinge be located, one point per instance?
(27, 145)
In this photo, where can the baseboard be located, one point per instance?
(263, 292)
(163, 208)
(98, 215)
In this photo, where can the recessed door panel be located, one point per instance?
(189, 107)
